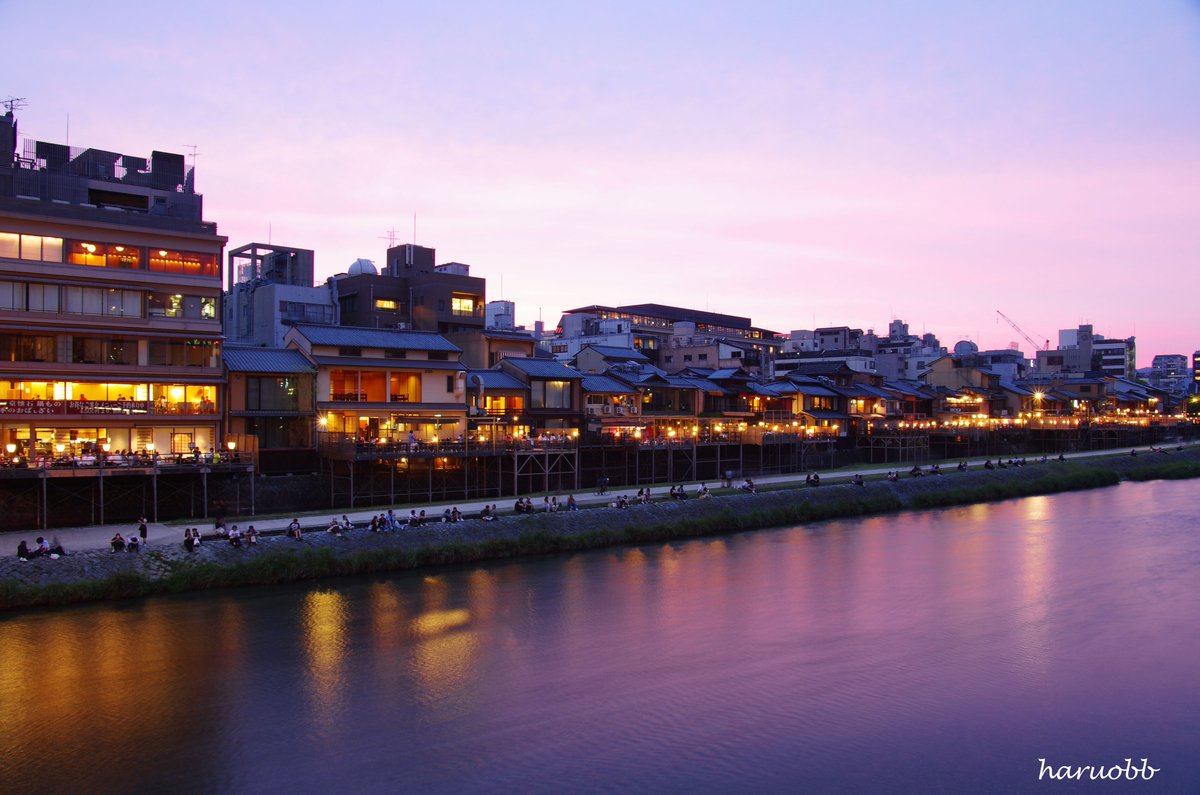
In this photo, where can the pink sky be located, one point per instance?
(791, 162)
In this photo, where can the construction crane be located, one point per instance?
(1023, 333)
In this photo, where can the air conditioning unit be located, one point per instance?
(620, 410)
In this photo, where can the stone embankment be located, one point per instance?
(169, 568)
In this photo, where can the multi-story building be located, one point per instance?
(270, 287)
(1169, 371)
(1080, 350)
(110, 287)
(412, 293)
(650, 328)
(380, 384)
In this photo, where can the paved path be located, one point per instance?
(99, 536)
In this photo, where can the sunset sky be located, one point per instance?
(801, 163)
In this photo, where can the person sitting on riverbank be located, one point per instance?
(188, 543)
(347, 525)
(132, 544)
(988, 464)
(235, 537)
(748, 485)
(456, 515)
(702, 492)
(251, 536)
(446, 516)
(857, 480)
(293, 529)
(334, 527)
(622, 502)
(45, 548)
(916, 471)
(962, 466)
(893, 477)
(23, 550)
(118, 543)
(934, 469)
(1133, 453)
(421, 518)
(486, 513)
(571, 505)
(219, 528)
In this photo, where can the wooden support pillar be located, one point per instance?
(154, 492)
(100, 483)
(204, 484)
(45, 477)
(250, 471)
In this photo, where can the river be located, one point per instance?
(940, 651)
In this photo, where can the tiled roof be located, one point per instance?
(621, 354)
(265, 360)
(494, 379)
(602, 383)
(364, 362)
(542, 368)
(685, 382)
(353, 336)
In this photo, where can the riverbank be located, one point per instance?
(165, 568)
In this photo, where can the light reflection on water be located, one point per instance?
(923, 652)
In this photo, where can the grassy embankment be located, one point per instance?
(572, 532)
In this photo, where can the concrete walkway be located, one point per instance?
(99, 536)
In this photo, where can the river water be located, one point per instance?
(941, 651)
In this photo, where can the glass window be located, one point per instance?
(10, 245)
(550, 394)
(52, 249)
(208, 308)
(87, 350)
(43, 298)
(31, 247)
(385, 304)
(165, 305)
(272, 394)
(189, 263)
(12, 295)
(21, 348)
(120, 352)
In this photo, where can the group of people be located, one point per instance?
(338, 526)
(237, 537)
(191, 538)
(41, 549)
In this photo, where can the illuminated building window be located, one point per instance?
(31, 247)
(386, 304)
(104, 255)
(189, 263)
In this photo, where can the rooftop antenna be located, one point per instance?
(390, 237)
(15, 103)
(414, 228)
(194, 154)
